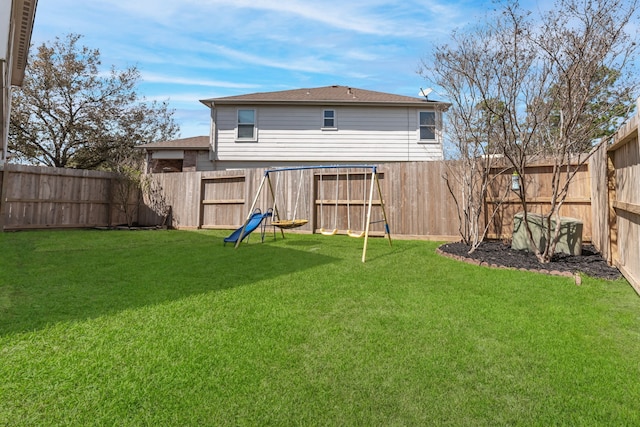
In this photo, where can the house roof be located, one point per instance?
(24, 12)
(327, 95)
(192, 143)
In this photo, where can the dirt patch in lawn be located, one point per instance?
(499, 254)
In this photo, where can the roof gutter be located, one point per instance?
(24, 15)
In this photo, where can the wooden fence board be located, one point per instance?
(539, 190)
(182, 192)
(37, 197)
(624, 202)
(223, 201)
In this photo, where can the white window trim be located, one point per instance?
(255, 126)
(335, 119)
(435, 128)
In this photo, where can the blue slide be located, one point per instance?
(256, 219)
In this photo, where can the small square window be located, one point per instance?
(329, 119)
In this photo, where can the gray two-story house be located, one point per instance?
(324, 125)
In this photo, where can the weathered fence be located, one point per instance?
(616, 202)
(39, 197)
(417, 201)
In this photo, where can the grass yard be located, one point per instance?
(171, 328)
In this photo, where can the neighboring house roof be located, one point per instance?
(333, 95)
(192, 143)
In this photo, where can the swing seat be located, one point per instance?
(355, 234)
(289, 223)
(329, 232)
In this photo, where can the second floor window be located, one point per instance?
(329, 118)
(427, 125)
(247, 124)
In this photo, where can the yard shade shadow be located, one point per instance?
(53, 276)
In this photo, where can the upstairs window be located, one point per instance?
(329, 119)
(427, 128)
(247, 125)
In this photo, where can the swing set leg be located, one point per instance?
(374, 178)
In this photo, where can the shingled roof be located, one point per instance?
(324, 95)
(192, 143)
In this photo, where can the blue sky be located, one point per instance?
(189, 50)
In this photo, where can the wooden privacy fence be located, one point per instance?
(417, 201)
(616, 202)
(40, 197)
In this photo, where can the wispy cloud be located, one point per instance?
(350, 16)
(310, 64)
(409, 18)
(176, 80)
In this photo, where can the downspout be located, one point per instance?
(408, 134)
(147, 158)
(213, 136)
(5, 110)
(6, 58)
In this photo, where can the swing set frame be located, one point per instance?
(266, 182)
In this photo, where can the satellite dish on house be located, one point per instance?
(425, 92)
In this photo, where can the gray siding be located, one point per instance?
(285, 134)
(204, 163)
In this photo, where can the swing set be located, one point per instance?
(294, 221)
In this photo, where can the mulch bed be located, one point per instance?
(499, 254)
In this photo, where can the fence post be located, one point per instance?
(4, 182)
(613, 220)
(110, 204)
(201, 196)
(312, 191)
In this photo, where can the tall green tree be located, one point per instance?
(610, 103)
(71, 113)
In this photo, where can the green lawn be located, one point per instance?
(171, 328)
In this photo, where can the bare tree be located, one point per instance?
(473, 129)
(468, 175)
(128, 166)
(553, 86)
(132, 187)
(69, 113)
(155, 198)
